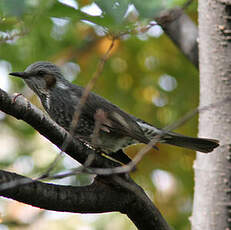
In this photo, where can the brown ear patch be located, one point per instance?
(50, 81)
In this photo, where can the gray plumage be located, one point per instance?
(118, 129)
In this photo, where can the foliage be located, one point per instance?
(146, 76)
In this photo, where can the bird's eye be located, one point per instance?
(40, 73)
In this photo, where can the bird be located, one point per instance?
(116, 128)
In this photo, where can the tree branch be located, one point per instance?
(93, 198)
(182, 31)
(106, 194)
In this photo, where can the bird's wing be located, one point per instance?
(112, 118)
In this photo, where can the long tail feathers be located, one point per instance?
(199, 144)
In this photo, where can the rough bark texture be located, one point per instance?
(212, 199)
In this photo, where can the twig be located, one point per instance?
(100, 117)
(51, 166)
(89, 87)
(193, 112)
(79, 107)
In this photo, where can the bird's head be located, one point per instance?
(41, 77)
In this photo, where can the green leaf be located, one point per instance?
(148, 8)
(113, 22)
(60, 10)
(114, 8)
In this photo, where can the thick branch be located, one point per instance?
(182, 31)
(141, 210)
(94, 198)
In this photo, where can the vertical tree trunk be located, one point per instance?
(212, 199)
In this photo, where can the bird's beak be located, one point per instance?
(23, 75)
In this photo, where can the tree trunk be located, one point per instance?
(212, 199)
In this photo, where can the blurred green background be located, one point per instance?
(146, 75)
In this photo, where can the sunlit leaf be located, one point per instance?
(60, 10)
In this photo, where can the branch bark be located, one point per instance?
(182, 31)
(106, 194)
(94, 198)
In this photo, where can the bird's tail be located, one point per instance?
(199, 144)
